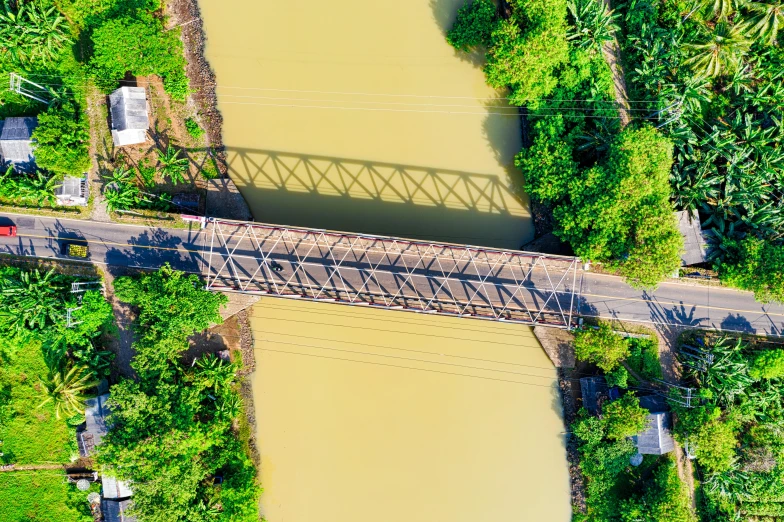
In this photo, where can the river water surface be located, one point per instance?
(357, 116)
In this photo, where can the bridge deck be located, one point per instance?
(392, 273)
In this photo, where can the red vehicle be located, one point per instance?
(8, 230)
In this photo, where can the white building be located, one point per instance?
(129, 114)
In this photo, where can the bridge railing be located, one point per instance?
(392, 273)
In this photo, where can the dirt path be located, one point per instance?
(32, 467)
(612, 55)
(668, 344)
(98, 148)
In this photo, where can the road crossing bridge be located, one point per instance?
(393, 273)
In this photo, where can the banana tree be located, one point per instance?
(32, 299)
(172, 165)
(31, 32)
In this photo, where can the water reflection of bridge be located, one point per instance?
(393, 273)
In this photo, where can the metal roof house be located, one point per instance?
(129, 113)
(594, 391)
(72, 191)
(16, 141)
(116, 511)
(656, 439)
(693, 238)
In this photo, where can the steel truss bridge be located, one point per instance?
(393, 273)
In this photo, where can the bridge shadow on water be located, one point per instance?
(382, 198)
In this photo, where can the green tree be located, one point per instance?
(621, 210)
(473, 26)
(768, 364)
(62, 142)
(712, 436)
(66, 388)
(624, 417)
(172, 306)
(547, 165)
(601, 346)
(527, 48)
(618, 377)
(756, 265)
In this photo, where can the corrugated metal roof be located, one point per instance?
(18, 128)
(129, 115)
(116, 511)
(113, 488)
(593, 389)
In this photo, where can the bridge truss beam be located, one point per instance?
(391, 273)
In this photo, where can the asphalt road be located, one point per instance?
(673, 303)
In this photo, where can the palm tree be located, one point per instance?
(724, 51)
(172, 165)
(32, 33)
(765, 21)
(720, 9)
(66, 389)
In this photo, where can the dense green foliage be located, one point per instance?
(138, 44)
(473, 26)
(756, 265)
(41, 496)
(172, 428)
(62, 142)
(608, 188)
(31, 32)
(623, 417)
(601, 346)
(768, 365)
(617, 491)
(735, 431)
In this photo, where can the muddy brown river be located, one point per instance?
(357, 116)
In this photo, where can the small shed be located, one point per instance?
(95, 413)
(16, 140)
(594, 391)
(656, 439)
(693, 238)
(72, 191)
(129, 113)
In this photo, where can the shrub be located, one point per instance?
(62, 142)
(624, 417)
(768, 365)
(601, 346)
(618, 377)
(713, 437)
(473, 26)
(194, 129)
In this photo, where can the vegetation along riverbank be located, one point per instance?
(705, 102)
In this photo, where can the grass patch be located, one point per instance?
(30, 435)
(44, 495)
